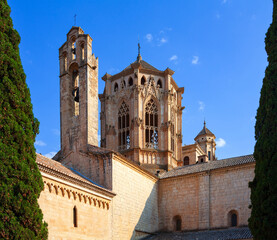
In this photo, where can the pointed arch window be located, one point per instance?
(123, 127)
(75, 91)
(159, 83)
(151, 125)
(143, 80)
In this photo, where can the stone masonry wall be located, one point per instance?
(93, 212)
(203, 200)
(135, 206)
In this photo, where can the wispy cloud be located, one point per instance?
(195, 60)
(220, 142)
(173, 58)
(56, 131)
(162, 41)
(113, 70)
(50, 154)
(40, 143)
(201, 105)
(149, 37)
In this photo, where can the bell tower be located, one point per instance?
(78, 93)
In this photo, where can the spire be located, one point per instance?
(139, 58)
(204, 123)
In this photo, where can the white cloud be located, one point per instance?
(173, 58)
(56, 132)
(149, 37)
(195, 60)
(50, 154)
(201, 105)
(220, 142)
(163, 40)
(40, 143)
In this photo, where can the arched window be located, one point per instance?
(233, 218)
(83, 51)
(186, 160)
(123, 84)
(73, 48)
(115, 87)
(75, 220)
(177, 221)
(143, 80)
(209, 155)
(151, 125)
(123, 127)
(75, 91)
(130, 82)
(159, 83)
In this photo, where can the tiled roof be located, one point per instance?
(57, 169)
(204, 131)
(223, 234)
(144, 65)
(201, 167)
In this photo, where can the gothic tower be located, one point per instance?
(141, 115)
(78, 93)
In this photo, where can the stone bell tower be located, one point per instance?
(78, 93)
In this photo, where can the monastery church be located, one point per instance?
(142, 183)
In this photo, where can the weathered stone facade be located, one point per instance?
(137, 183)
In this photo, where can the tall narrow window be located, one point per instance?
(143, 80)
(123, 127)
(73, 48)
(115, 87)
(209, 155)
(83, 51)
(75, 220)
(151, 125)
(159, 83)
(75, 91)
(173, 134)
(64, 61)
(130, 82)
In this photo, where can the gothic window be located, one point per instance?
(143, 80)
(177, 221)
(75, 222)
(123, 127)
(151, 125)
(115, 87)
(123, 84)
(209, 155)
(75, 91)
(186, 160)
(159, 83)
(130, 82)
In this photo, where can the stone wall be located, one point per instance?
(135, 206)
(203, 200)
(57, 201)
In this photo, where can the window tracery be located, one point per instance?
(151, 125)
(123, 127)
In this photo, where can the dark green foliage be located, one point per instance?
(263, 220)
(20, 179)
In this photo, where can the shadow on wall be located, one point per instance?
(148, 223)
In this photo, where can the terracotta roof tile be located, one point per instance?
(201, 167)
(56, 168)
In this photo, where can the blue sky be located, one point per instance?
(215, 47)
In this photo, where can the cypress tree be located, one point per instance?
(20, 179)
(263, 220)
